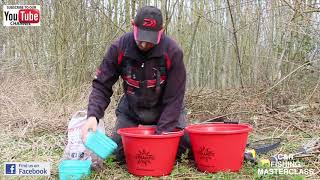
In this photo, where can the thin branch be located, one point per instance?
(193, 38)
(236, 44)
(169, 19)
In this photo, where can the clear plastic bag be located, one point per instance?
(75, 149)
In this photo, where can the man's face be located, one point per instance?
(144, 46)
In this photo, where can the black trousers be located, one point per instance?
(125, 119)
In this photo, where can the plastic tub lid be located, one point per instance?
(75, 165)
(100, 144)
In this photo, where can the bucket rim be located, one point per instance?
(192, 128)
(122, 132)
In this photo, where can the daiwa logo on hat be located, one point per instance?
(148, 22)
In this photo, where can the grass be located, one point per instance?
(49, 148)
(41, 147)
(32, 132)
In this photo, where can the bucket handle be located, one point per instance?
(79, 114)
(167, 133)
(153, 126)
(204, 122)
(146, 126)
(211, 121)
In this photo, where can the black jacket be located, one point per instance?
(159, 102)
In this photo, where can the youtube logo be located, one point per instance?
(21, 15)
(29, 16)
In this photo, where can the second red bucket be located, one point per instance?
(148, 154)
(218, 147)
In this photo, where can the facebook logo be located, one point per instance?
(10, 169)
(26, 169)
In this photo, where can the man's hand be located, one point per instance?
(90, 124)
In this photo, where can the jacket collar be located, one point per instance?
(132, 51)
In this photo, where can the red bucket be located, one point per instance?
(148, 154)
(218, 147)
